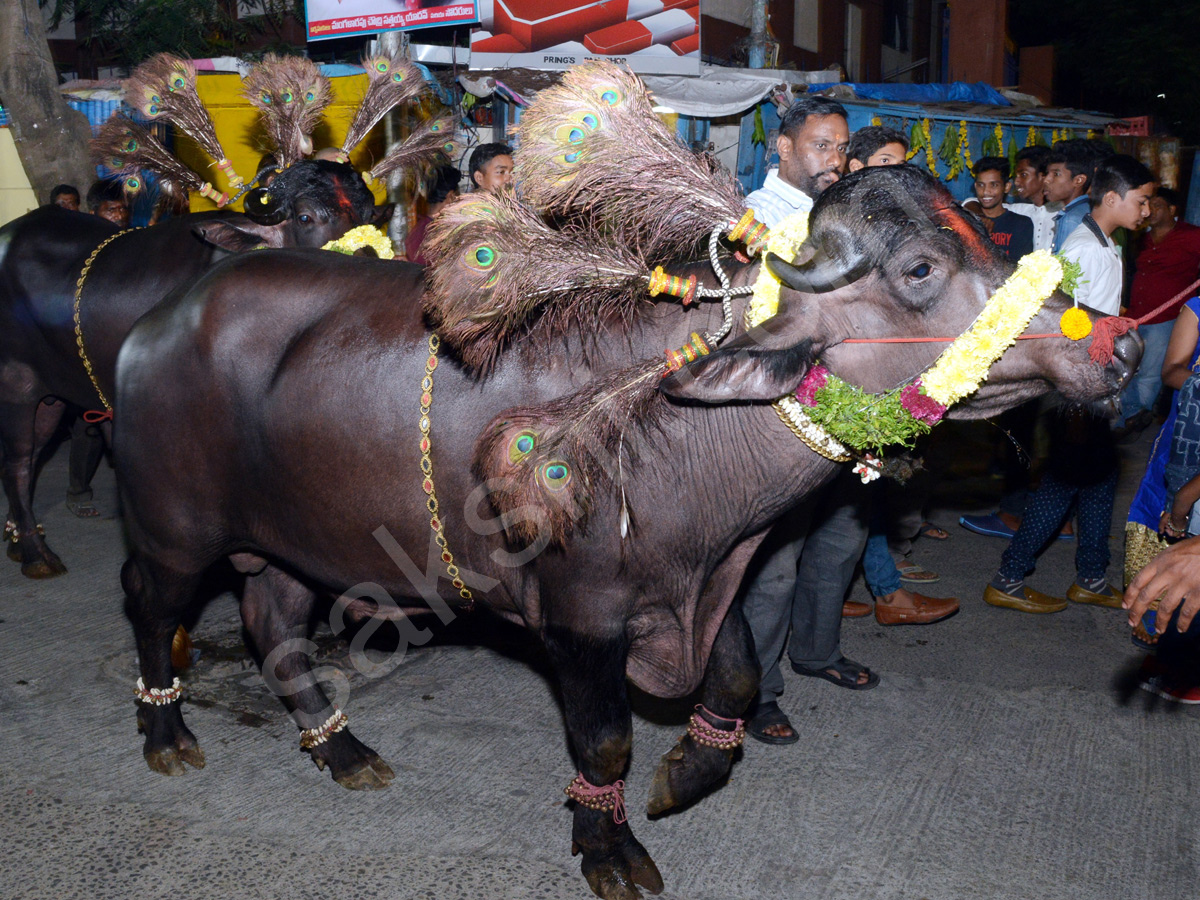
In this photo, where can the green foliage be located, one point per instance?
(128, 32)
(1071, 272)
(865, 422)
(760, 133)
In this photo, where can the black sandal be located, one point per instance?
(844, 673)
(767, 715)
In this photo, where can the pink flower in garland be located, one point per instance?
(813, 382)
(919, 406)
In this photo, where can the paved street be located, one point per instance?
(1004, 756)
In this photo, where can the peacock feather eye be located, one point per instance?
(570, 158)
(397, 77)
(554, 475)
(265, 98)
(150, 109)
(380, 66)
(610, 96)
(288, 97)
(591, 120)
(131, 145)
(310, 96)
(178, 81)
(133, 184)
(521, 446)
(485, 256)
(116, 162)
(436, 126)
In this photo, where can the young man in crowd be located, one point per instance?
(1029, 182)
(1168, 262)
(876, 146)
(1010, 231)
(1082, 466)
(491, 167)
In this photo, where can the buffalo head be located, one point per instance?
(891, 254)
(307, 205)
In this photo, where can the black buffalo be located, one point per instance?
(42, 256)
(268, 416)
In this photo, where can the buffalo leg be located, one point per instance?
(591, 672)
(275, 610)
(25, 429)
(689, 769)
(157, 599)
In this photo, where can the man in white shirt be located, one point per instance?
(1119, 197)
(813, 135)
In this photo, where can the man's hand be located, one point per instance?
(1172, 575)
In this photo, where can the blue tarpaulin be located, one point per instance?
(957, 91)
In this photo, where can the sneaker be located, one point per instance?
(1176, 693)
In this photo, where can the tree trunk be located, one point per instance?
(51, 138)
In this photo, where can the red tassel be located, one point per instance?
(1104, 335)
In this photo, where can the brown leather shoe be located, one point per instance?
(904, 607)
(1030, 601)
(852, 609)
(1079, 594)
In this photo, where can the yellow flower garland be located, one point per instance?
(363, 236)
(964, 365)
(784, 240)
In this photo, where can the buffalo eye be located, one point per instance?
(919, 272)
(304, 218)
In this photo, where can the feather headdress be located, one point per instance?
(592, 147)
(549, 460)
(128, 149)
(291, 93)
(496, 267)
(391, 81)
(428, 141)
(164, 87)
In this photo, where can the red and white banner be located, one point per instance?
(650, 36)
(343, 18)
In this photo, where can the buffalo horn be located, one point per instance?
(263, 208)
(820, 275)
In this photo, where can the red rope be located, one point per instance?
(96, 416)
(1104, 332)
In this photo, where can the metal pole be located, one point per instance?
(389, 43)
(758, 35)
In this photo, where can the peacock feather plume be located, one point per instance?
(429, 141)
(391, 81)
(164, 87)
(290, 93)
(129, 150)
(591, 148)
(497, 269)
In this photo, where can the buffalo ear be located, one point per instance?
(237, 235)
(383, 214)
(742, 370)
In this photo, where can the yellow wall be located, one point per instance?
(242, 139)
(16, 196)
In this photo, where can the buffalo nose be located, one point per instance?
(1127, 353)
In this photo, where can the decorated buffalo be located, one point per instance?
(72, 285)
(293, 413)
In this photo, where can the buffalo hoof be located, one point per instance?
(170, 760)
(14, 551)
(617, 872)
(44, 568)
(685, 774)
(352, 763)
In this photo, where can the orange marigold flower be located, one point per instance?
(1075, 324)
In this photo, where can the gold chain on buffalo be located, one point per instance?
(435, 520)
(87, 363)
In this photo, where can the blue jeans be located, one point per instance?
(879, 569)
(1143, 388)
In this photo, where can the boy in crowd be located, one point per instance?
(1029, 180)
(876, 146)
(1068, 178)
(1010, 231)
(491, 167)
(1082, 467)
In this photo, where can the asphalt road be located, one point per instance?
(1003, 756)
